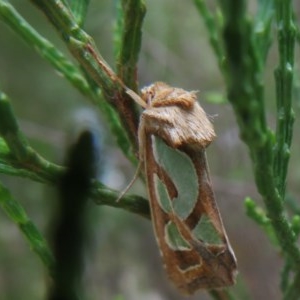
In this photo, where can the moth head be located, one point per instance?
(160, 94)
(153, 91)
(148, 94)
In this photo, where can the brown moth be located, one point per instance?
(173, 134)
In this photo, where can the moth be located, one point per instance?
(173, 134)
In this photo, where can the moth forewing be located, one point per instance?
(200, 250)
(173, 134)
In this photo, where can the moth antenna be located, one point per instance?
(136, 98)
(127, 188)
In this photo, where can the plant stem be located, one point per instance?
(83, 48)
(284, 86)
(210, 21)
(132, 203)
(20, 151)
(21, 160)
(72, 73)
(262, 27)
(79, 10)
(258, 215)
(245, 92)
(17, 214)
(128, 40)
(34, 40)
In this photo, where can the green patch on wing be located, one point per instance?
(174, 238)
(163, 196)
(206, 231)
(182, 172)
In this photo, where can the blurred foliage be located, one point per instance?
(122, 261)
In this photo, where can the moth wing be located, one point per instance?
(192, 262)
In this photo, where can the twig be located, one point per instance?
(23, 156)
(286, 33)
(128, 40)
(83, 48)
(19, 159)
(36, 241)
(245, 92)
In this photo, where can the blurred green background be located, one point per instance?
(122, 260)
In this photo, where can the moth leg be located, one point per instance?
(141, 141)
(132, 181)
